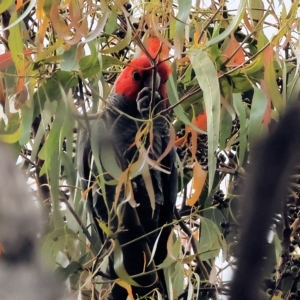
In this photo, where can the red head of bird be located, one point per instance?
(139, 73)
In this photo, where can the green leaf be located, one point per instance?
(111, 26)
(119, 265)
(258, 107)
(70, 59)
(256, 11)
(49, 89)
(270, 78)
(108, 158)
(96, 127)
(50, 108)
(232, 26)
(207, 77)
(121, 43)
(16, 20)
(62, 274)
(54, 139)
(174, 275)
(27, 114)
(180, 112)
(55, 242)
(225, 131)
(92, 64)
(15, 42)
(255, 68)
(211, 241)
(184, 7)
(69, 169)
(293, 86)
(4, 5)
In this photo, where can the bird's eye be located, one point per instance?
(136, 76)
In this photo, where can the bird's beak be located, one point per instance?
(149, 81)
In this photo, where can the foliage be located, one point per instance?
(59, 62)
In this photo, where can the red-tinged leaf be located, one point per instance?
(77, 20)
(86, 192)
(270, 78)
(247, 23)
(6, 58)
(62, 29)
(268, 55)
(179, 142)
(237, 57)
(74, 12)
(198, 181)
(267, 115)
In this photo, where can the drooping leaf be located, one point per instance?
(198, 181)
(181, 18)
(207, 77)
(258, 107)
(211, 239)
(233, 25)
(16, 19)
(62, 274)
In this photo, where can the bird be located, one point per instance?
(135, 199)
